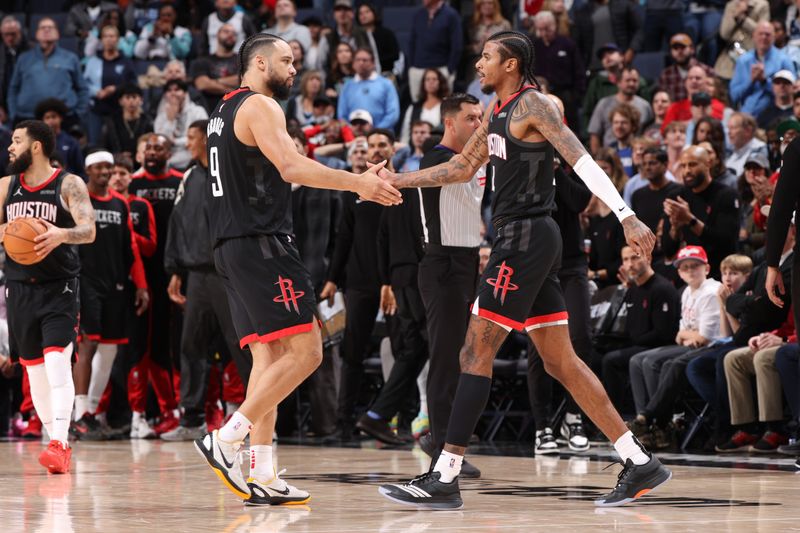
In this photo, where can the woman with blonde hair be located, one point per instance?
(487, 19)
(301, 107)
(559, 11)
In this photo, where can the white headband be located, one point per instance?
(99, 157)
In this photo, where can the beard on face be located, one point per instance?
(280, 88)
(487, 89)
(21, 163)
(154, 166)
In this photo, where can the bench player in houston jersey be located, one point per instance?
(520, 288)
(252, 162)
(134, 353)
(42, 299)
(105, 299)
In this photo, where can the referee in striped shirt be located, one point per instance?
(448, 273)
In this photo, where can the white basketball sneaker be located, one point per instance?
(275, 492)
(223, 458)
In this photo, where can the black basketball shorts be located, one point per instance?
(269, 289)
(42, 317)
(104, 312)
(519, 288)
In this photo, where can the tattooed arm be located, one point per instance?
(76, 197)
(536, 112)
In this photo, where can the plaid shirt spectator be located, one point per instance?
(672, 81)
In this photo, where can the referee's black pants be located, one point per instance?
(447, 279)
(362, 309)
(575, 286)
(206, 316)
(410, 350)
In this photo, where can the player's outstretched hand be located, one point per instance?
(371, 187)
(142, 301)
(50, 239)
(639, 237)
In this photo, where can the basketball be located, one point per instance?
(19, 242)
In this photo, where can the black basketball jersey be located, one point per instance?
(523, 182)
(160, 191)
(144, 225)
(43, 201)
(246, 194)
(107, 261)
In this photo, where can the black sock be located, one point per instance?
(471, 398)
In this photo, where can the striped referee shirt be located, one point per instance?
(451, 215)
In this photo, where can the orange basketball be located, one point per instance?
(19, 242)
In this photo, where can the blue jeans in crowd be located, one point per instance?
(704, 28)
(706, 373)
(787, 361)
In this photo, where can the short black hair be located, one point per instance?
(658, 152)
(251, 45)
(123, 160)
(39, 131)
(50, 104)
(129, 88)
(365, 50)
(180, 83)
(201, 125)
(382, 131)
(452, 104)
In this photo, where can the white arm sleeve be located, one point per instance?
(601, 186)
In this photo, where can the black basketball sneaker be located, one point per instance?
(635, 481)
(275, 492)
(426, 492)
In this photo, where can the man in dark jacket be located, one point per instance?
(598, 22)
(189, 254)
(13, 44)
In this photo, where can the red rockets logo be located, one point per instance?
(288, 295)
(502, 283)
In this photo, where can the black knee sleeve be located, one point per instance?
(471, 397)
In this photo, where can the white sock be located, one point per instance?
(81, 406)
(629, 448)
(261, 462)
(231, 407)
(448, 465)
(572, 418)
(236, 429)
(102, 362)
(62, 390)
(40, 394)
(422, 387)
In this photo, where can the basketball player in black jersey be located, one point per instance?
(520, 288)
(251, 162)
(42, 298)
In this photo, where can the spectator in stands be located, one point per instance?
(781, 106)
(285, 26)
(624, 124)
(663, 19)
(345, 31)
(637, 181)
(301, 107)
(702, 110)
(648, 201)
(47, 71)
(126, 42)
(701, 21)
(739, 21)
(558, 61)
(743, 142)
(174, 70)
(787, 361)
(781, 37)
(751, 85)
(53, 111)
(434, 89)
(792, 48)
(11, 46)
(299, 56)
(163, 39)
(225, 12)
(598, 22)
(407, 158)
(341, 70)
(317, 52)
(104, 73)
(140, 13)
(436, 41)
(361, 122)
(127, 123)
(382, 39)
(660, 105)
(673, 77)
(600, 126)
(176, 113)
(716, 162)
(697, 81)
(559, 10)
(218, 73)
(487, 19)
(652, 321)
(84, 16)
(606, 237)
(704, 213)
(370, 91)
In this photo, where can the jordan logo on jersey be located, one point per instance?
(288, 295)
(215, 125)
(502, 283)
(497, 145)
(43, 210)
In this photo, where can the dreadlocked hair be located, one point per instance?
(250, 45)
(519, 46)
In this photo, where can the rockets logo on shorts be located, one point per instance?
(502, 283)
(288, 295)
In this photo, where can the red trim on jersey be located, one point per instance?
(235, 92)
(114, 341)
(294, 330)
(498, 106)
(147, 243)
(31, 362)
(51, 349)
(500, 319)
(106, 198)
(41, 185)
(89, 336)
(544, 320)
(244, 341)
(137, 268)
(169, 173)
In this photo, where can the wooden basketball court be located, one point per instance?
(151, 485)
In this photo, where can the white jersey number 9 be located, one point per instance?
(213, 167)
